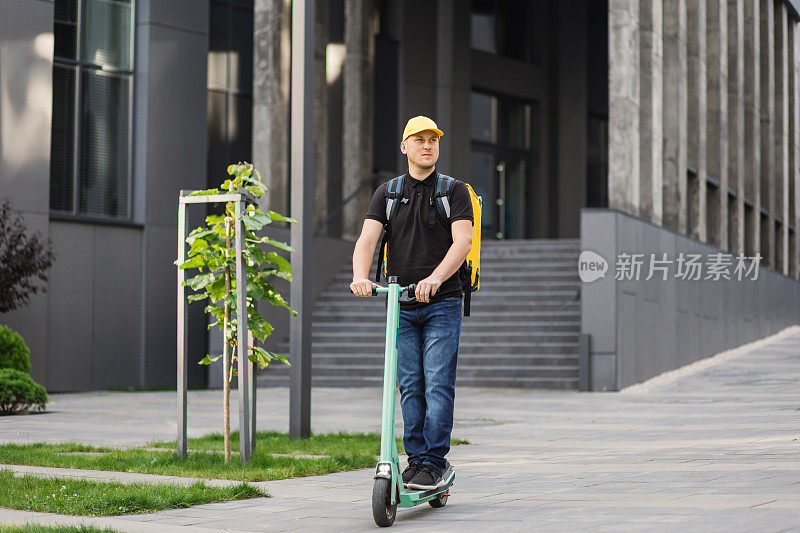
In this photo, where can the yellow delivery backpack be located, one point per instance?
(470, 271)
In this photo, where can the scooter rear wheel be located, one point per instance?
(382, 511)
(439, 501)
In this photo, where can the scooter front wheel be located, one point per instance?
(383, 511)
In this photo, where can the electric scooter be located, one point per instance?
(388, 492)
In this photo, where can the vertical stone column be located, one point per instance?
(570, 57)
(767, 62)
(357, 142)
(445, 37)
(781, 204)
(794, 146)
(321, 113)
(674, 117)
(717, 89)
(271, 66)
(736, 103)
(696, 152)
(623, 105)
(752, 122)
(651, 144)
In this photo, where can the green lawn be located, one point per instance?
(36, 528)
(339, 451)
(93, 498)
(274, 442)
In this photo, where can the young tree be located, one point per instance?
(211, 255)
(23, 259)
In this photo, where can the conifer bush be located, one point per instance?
(14, 353)
(19, 392)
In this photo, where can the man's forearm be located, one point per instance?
(362, 260)
(452, 260)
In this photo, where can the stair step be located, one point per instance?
(539, 304)
(469, 327)
(479, 313)
(376, 371)
(358, 345)
(519, 382)
(485, 295)
(343, 279)
(531, 243)
(464, 360)
(476, 314)
(503, 337)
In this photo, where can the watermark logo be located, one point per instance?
(591, 266)
(684, 266)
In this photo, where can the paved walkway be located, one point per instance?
(711, 448)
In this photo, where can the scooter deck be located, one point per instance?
(411, 497)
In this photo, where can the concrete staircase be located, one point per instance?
(522, 332)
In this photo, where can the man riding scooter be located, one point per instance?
(425, 249)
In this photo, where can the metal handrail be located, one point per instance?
(371, 180)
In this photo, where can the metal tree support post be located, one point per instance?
(247, 385)
(302, 205)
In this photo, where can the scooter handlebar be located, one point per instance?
(410, 290)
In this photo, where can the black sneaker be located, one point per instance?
(410, 471)
(427, 478)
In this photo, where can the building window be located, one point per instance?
(230, 86)
(502, 158)
(503, 27)
(90, 159)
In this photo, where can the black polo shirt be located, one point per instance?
(415, 249)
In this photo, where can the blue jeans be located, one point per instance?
(427, 353)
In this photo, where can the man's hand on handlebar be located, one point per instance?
(362, 287)
(427, 288)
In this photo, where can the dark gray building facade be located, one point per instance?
(680, 115)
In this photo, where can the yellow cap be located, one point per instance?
(418, 124)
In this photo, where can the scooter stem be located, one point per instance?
(388, 445)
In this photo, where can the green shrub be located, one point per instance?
(14, 353)
(18, 391)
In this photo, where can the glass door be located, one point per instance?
(500, 178)
(510, 199)
(500, 162)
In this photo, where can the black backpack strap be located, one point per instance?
(464, 276)
(441, 198)
(394, 191)
(384, 241)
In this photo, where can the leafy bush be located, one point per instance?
(18, 391)
(14, 353)
(23, 258)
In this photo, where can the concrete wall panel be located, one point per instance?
(660, 325)
(598, 321)
(117, 295)
(175, 121)
(160, 311)
(70, 314)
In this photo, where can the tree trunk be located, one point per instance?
(226, 359)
